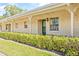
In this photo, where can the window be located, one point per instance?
(25, 24)
(16, 25)
(54, 24)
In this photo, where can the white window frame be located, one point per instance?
(51, 24)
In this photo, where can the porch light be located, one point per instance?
(39, 20)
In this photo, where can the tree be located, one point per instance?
(12, 10)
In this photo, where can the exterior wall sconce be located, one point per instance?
(39, 20)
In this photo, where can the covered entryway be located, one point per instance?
(42, 26)
(8, 27)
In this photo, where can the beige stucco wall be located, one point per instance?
(3, 24)
(34, 25)
(3, 27)
(76, 23)
(20, 25)
(64, 22)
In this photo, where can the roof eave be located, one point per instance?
(34, 11)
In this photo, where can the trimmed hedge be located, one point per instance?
(69, 46)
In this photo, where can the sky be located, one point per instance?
(25, 6)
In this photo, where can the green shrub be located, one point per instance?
(69, 46)
(71, 52)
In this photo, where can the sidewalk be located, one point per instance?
(57, 53)
(1, 54)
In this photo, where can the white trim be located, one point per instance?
(72, 19)
(30, 19)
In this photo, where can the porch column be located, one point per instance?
(72, 22)
(72, 9)
(12, 26)
(30, 24)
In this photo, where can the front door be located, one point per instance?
(43, 27)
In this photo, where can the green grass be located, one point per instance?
(16, 49)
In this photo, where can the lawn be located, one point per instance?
(16, 49)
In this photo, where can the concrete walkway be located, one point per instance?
(57, 53)
(1, 54)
